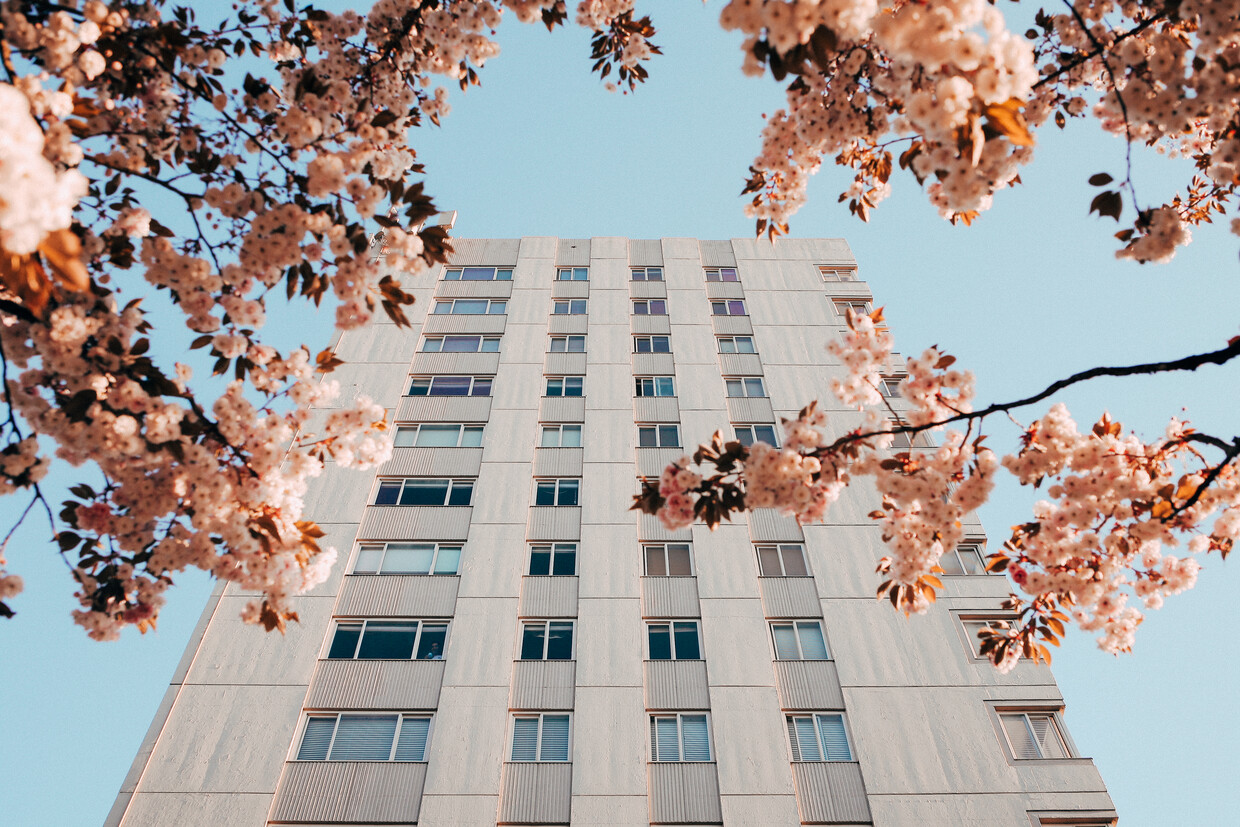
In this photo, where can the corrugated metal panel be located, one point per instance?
(543, 684)
(469, 251)
(376, 684)
(461, 323)
(645, 252)
(484, 364)
(656, 409)
(574, 251)
(335, 791)
(789, 597)
(849, 289)
(649, 528)
(433, 462)
(444, 409)
(652, 461)
(398, 595)
(740, 364)
(558, 462)
(724, 290)
(676, 684)
(660, 325)
(830, 792)
(733, 326)
(808, 684)
(565, 364)
(744, 409)
(536, 793)
(550, 522)
(548, 596)
(648, 289)
(767, 524)
(562, 409)
(567, 324)
(570, 289)
(414, 522)
(717, 254)
(473, 290)
(670, 597)
(502, 252)
(653, 364)
(684, 793)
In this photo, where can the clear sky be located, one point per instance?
(1030, 293)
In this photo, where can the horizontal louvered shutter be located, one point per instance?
(803, 739)
(364, 738)
(1019, 736)
(411, 745)
(1047, 735)
(316, 739)
(525, 739)
(665, 738)
(696, 737)
(834, 738)
(554, 738)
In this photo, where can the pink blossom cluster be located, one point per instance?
(678, 485)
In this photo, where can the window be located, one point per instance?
(820, 737)
(556, 492)
(652, 344)
(650, 307)
(407, 558)
(564, 385)
(679, 737)
(736, 344)
(833, 273)
(784, 560)
(732, 307)
(460, 344)
(569, 307)
(974, 625)
(677, 640)
(668, 560)
(749, 434)
(655, 386)
(889, 386)
(647, 273)
(388, 640)
(470, 307)
(721, 274)
(901, 441)
(745, 386)
(437, 435)
(553, 559)
(547, 640)
(424, 491)
(658, 436)
(799, 640)
(451, 386)
(965, 558)
(568, 344)
(538, 737)
(1034, 734)
(859, 306)
(572, 274)
(478, 274)
(364, 738)
(561, 436)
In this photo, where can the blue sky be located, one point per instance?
(1030, 293)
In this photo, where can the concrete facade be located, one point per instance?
(556, 700)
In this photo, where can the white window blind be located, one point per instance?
(1033, 735)
(540, 738)
(364, 738)
(679, 737)
(818, 738)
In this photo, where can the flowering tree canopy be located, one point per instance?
(280, 131)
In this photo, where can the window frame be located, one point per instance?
(680, 738)
(820, 742)
(1050, 714)
(780, 549)
(728, 305)
(474, 384)
(796, 624)
(554, 551)
(649, 307)
(743, 383)
(401, 717)
(647, 548)
(733, 339)
(497, 273)
(720, 274)
(651, 340)
(977, 547)
(659, 430)
(656, 383)
(437, 548)
(422, 623)
(558, 428)
(646, 273)
(416, 427)
(527, 622)
(538, 742)
(454, 483)
(862, 307)
(572, 273)
(753, 435)
(570, 307)
(671, 625)
(485, 344)
(560, 483)
(565, 384)
(837, 273)
(452, 303)
(568, 341)
(889, 386)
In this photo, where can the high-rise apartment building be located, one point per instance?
(503, 641)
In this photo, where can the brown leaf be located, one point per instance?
(63, 251)
(1006, 119)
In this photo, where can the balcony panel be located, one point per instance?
(415, 522)
(369, 792)
(670, 597)
(789, 597)
(555, 523)
(433, 462)
(830, 792)
(543, 684)
(548, 596)
(684, 793)
(536, 793)
(376, 684)
(808, 684)
(444, 409)
(558, 462)
(676, 684)
(398, 595)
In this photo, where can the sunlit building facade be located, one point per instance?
(504, 642)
